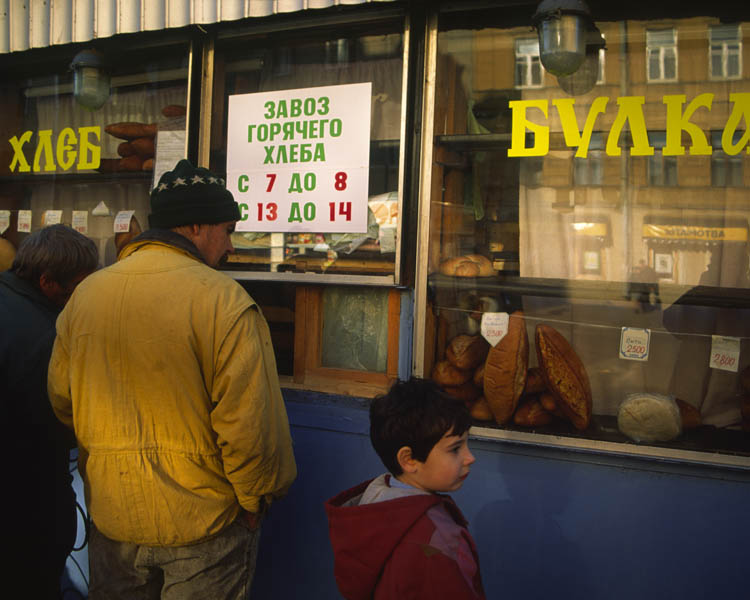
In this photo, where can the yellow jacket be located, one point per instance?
(164, 369)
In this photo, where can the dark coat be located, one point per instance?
(37, 445)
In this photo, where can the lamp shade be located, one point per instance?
(91, 79)
(561, 26)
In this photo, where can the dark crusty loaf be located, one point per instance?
(689, 415)
(446, 374)
(565, 375)
(505, 370)
(531, 413)
(535, 383)
(466, 352)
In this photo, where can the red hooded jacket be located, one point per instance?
(405, 544)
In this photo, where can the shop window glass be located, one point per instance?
(590, 170)
(528, 63)
(662, 170)
(625, 228)
(296, 62)
(726, 169)
(92, 169)
(725, 52)
(661, 54)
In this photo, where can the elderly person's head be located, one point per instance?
(55, 260)
(194, 202)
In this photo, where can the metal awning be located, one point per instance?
(26, 24)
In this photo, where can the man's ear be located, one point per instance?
(49, 287)
(406, 461)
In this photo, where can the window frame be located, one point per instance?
(651, 46)
(724, 76)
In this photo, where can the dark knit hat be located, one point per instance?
(189, 195)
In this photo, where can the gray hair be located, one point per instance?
(58, 251)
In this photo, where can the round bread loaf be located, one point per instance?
(467, 351)
(647, 417)
(470, 265)
(480, 410)
(446, 374)
(564, 375)
(478, 377)
(535, 383)
(505, 370)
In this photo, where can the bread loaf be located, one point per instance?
(109, 165)
(467, 351)
(143, 147)
(446, 374)
(480, 410)
(530, 413)
(125, 149)
(174, 110)
(564, 375)
(647, 417)
(470, 265)
(690, 416)
(505, 370)
(131, 130)
(131, 163)
(148, 165)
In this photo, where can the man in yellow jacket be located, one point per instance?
(164, 369)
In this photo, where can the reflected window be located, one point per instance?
(725, 52)
(528, 64)
(661, 55)
(662, 170)
(590, 170)
(726, 169)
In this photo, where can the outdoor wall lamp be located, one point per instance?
(561, 26)
(585, 78)
(91, 79)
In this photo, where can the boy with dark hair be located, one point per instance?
(396, 536)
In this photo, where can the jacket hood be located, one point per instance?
(364, 536)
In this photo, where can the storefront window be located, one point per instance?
(91, 168)
(630, 240)
(323, 197)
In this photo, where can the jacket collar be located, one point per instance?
(26, 289)
(164, 236)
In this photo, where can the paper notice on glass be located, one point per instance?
(24, 221)
(494, 326)
(51, 217)
(4, 220)
(81, 221)
(634, 343)
(170, 147)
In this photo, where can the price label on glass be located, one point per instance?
(634, 343)
(80, 221)
(24, 221)
(4, 220)
(122, 221)
(725, 353)
(494, 326)
(51, 217)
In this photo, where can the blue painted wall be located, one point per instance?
(547, 523)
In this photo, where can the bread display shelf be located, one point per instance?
(603, 428)
(587, 290)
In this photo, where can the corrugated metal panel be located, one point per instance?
(26, 24)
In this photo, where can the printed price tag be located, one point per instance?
(4, 220)
(494, 326)
(725, 353)
(51, 217)
(122, 221)
(24, 221)
(634, 343)
(81, 221)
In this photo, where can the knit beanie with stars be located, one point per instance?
(189, 195)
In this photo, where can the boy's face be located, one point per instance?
(447, 465)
